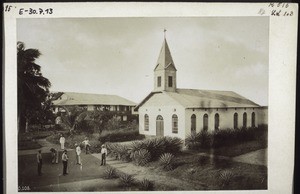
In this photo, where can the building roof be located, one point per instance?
(192, 98)
(72, 98)
(165, 59)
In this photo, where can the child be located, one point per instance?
(103, 155)
(54, 155)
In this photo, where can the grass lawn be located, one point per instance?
(204, 171)
(28, 145)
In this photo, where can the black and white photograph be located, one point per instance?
(114, 103)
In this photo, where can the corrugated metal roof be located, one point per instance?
(192, 98)
(72, 98)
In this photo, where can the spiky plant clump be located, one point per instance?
(126, 179)
(202, 160)
(167, 161)
(146, 185)
(225, 177)
(110, 173)
(141, 157)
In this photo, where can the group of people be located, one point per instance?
(55, 153)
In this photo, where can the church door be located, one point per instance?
(159, 126)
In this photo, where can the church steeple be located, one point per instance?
(165, 70)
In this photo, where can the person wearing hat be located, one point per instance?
(103, 155)
(78, 152)
(65, 162)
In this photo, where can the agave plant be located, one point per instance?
(167, 161)
(146, 185)
(225, 177)
(126, 179)
(141, 157)
(203, 160)
(110, 173)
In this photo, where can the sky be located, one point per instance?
(118, 55)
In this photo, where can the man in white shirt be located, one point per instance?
(86, 145)
(78, 152)
(103, 155)
(62, 142)
(65, 159)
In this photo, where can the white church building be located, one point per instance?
(175, 112)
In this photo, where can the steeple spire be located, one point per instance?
(165, 70)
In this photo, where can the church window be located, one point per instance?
(193, 124)
(170, 83)
(235, 121)
(146, 122)
(253, 120)
(245, 120)
(205, 122)
(217, 121)
(158, 81)
(174, 124)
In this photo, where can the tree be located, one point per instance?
(33, 88)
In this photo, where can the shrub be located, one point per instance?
(141, 157)
(120, 151)
(225, 177)
(226, 137)
(110, 173)
(203, 160)
(120, 135)
(202, 139)
(126, 179)
(146, 185)
(167, 161)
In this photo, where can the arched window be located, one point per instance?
(193, 124)
(245, 120)
(217, 121)
(205, 122)
(146, 122)
(235, 121)
(174, 124)
(253, 120)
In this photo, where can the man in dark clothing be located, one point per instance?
(65, 162)
(39, 162)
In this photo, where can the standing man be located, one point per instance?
(103, 155)
(65, 162)
(39, 162)
(62, 142)
(78, 152)
(86, 145)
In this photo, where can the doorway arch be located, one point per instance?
(159, 126)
